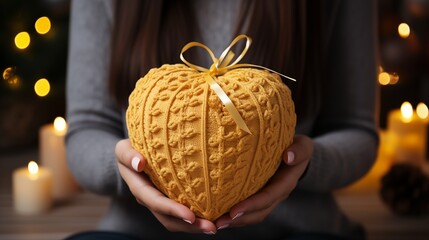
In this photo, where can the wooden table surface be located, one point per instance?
(79, 213)
(83, 211)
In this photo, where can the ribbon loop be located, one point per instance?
(220, 66)
(223, 56)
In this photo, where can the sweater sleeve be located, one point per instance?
(346, 137)
(95, 123)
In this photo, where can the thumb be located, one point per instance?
(299, 151)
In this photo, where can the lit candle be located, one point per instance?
(53, 156)
(32, 189)
(406, 136)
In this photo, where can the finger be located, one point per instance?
(146, 193)
(175, 225)
(279, 187)
(300, 150)
(128, 156)
(251, 218)
(246, 218)
(223, 221)
(205, 226)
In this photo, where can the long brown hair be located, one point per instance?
(286, 38)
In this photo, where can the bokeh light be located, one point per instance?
(60, 124)
(42, 25)
(42, 87)
(8, 73)
(394, 78)
(422, 110)
(14, 82)
(22, 40)
(383, 78)
(407, 111)
(404, 30)
(33, 168)
(12, 79)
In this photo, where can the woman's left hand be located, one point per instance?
(257, 207)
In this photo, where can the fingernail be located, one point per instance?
(237, 215)
(223, 227)
(135, 162)
(188, 221)
(290, 157)
(210, 233)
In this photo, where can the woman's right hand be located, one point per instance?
(174, 216)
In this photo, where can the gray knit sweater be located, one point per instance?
(344, 151)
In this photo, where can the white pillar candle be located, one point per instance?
(53, 156)
(32, 189)
(406, 136)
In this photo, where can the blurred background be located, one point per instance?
(404, 53)
(33, 54)
(33, 58)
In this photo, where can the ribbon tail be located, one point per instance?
(228, 104)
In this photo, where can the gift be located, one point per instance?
(214, 136)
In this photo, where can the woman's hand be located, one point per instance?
(257, 207)
(174, 216)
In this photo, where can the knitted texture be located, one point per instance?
(195, 152)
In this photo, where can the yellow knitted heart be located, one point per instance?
(195, 152)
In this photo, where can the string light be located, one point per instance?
(22, 40)
(42, 25)
(42, 87)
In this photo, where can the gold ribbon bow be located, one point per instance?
(220, 66)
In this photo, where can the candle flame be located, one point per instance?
(407, 111)
(33, 168)
(60, 124)
(422, 111)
